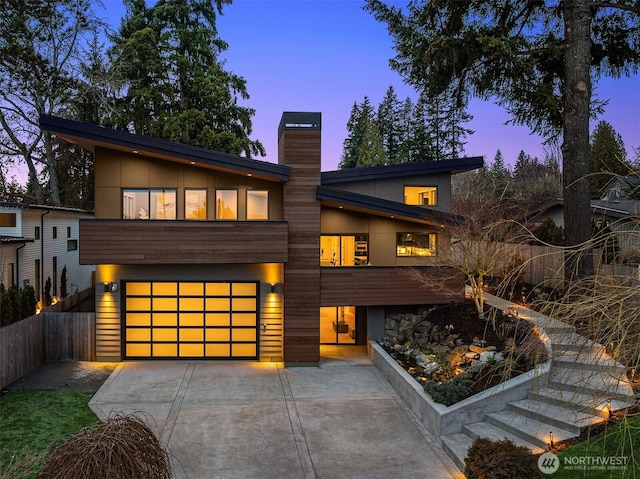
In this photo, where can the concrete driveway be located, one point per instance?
(245, 420)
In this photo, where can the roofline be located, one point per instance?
(26, 206)
(380, 207)
(15, 239)
(457, 165)
(89, 136)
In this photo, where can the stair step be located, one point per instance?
(495, 433)
(570, 341)
(596, 361)
(456, 446)
(562, 417)
(587, 403)
(528, 429)
(610, 385)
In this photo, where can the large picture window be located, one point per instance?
(421, 195)
(195, 204)
(416, 244)
(149, 204)
(226, 204)
(344, 250)
(257, 205)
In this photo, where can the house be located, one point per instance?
(38, 242)
(201, 254)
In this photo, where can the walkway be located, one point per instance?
(245, 420)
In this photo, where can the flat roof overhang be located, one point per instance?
(90, 137)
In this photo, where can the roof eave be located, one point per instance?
(90, 136)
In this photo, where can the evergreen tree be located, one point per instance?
(352, 141)
(177, 88)
(406, 130)
(608, 158)
(421, 140)
(388, 120)
(454, 132)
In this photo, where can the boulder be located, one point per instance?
(476, 349)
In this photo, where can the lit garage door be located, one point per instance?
(190, 320)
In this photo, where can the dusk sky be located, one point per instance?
(324, 55)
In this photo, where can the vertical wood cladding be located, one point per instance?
(299, 148)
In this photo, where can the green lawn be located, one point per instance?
(617, 442)
(31, 421)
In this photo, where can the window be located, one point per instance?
(36, 233)
(195, 205)
(420, 195)
(149, 204)
(54, 232)
(226, 204)
(257, 205)
(54, 266)
(68, 231)
(72, 245)
(8, 220)
(412, 244)
(344, 250)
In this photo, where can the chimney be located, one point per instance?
(299, 148)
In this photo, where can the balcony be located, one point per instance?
(182, 242)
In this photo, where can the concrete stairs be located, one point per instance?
(583, 386)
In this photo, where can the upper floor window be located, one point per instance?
(8, 220)
(421, 195)
(54, 232)
(149, 204)
(68, 231)
(412, 244)
(257, 204)
(344, 250)
(195, 204)
(36, 233)
(72, 245)
(226, 204)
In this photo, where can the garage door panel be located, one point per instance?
(190, 320)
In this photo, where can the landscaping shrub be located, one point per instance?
(488, 459)
(450, 392)
(16, 304)
(122, 446)
(47, 292)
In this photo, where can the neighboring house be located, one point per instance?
(37, 242)
(201, 254)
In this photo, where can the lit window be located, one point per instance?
(162, 204)
(226, 204)
(257, 205)
(345, 250)
(420, 195)
(149, 204)
(195, 205)
(412, 244)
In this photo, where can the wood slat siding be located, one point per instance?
(300, 150)
(107, 326)
(69, 336)
(387, 286)
(271, 314)
(185, 242)
(21, 349)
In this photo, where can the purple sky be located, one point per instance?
(324, 55)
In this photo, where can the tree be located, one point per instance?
(537, 59)
(176, 87)
(608, 158)
(363, 145)
(388, 119)
(40, 48)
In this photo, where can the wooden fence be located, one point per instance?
(49, 336)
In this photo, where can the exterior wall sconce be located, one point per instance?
(273, 287)
(110, 287)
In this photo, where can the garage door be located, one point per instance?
(190, 320)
